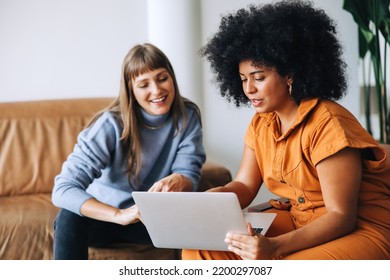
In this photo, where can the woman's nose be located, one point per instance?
(155, 88)
(249, 87)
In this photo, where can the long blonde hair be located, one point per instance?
(141, 59)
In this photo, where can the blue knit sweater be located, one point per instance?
(97, 166)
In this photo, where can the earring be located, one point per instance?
(290, 88)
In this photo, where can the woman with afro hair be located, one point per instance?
(284, 59)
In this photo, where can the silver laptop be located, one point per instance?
(195, 220)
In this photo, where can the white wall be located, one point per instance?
(54, 49)
(66, 48)
(173, 25)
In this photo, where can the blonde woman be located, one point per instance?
(148, 139)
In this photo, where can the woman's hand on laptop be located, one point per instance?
(173, 183)
(250, 247)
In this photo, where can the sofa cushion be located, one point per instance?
(35, 139)
(26, 233)
(26, 228)
(213, 176)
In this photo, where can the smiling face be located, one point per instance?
(154, 91)
(264, 87)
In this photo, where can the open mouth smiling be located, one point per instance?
(158, 100)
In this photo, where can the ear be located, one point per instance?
(289, 80)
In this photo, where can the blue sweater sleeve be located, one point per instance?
(190, 155)
(92, 152)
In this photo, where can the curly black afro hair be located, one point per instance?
(290, 36)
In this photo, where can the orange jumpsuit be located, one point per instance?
(288, 167)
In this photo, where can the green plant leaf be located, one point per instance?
(380, 16)
(358, 9)
(373, 20)
(365, 38)
(385, 29)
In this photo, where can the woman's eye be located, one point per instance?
(142, 85)
(163, 79)
(259, 78)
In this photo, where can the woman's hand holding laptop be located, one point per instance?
(245, 245)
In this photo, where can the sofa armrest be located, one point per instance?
(213, 175)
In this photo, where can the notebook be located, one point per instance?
(196, 220)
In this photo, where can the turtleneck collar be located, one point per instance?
(153, 121)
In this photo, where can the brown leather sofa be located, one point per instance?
(35, 139)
